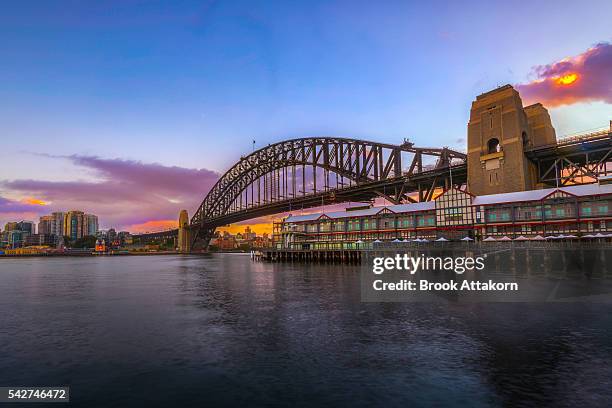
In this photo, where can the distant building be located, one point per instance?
(57, 225)
(92, 224)
(40, 240)
(26, 226)
(45, 224)
(227, 243)
(75, 224)
(124, 238)
(16, 238)
(10, 226)
(249, 235)
(4, 239)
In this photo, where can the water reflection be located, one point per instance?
(222, 330)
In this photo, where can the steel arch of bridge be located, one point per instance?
(304, 170)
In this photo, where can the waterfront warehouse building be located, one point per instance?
(577, 210)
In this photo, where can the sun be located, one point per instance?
(567, 79)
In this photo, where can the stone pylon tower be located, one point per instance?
(500, 130)
(184, 238)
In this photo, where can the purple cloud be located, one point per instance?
(8, 206)
(584, 78)
(126, 193)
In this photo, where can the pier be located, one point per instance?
(348, 256)
(590, 259)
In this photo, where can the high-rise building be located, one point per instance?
(111, 234)
(52, 224)
(57, 226)
(92, 224)
(10, 226)
(75, 224)
(16, 238)
(44, 225)
(26, 226)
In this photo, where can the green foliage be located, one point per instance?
(88, 241)
(67, 241)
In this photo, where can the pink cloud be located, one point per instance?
(584, 78)
(125, 193)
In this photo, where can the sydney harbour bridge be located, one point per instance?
(510, 148)
(312, 172)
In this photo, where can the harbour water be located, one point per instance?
(221, 330)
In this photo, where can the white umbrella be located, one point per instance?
(521, 238)
(416, 240)
(588, 236)
(505, 238)
(538, 238)
(424, 240)
(441, 239)
(396, 240)
(489, 239)
(552, 237)
(359, 242)
(571, 236)
(466, 239)
(377, 241)
(600, 235)
(609, 235)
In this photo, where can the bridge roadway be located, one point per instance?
(357, 193)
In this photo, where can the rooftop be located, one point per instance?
(515, 197)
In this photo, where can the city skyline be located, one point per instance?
(133, 112)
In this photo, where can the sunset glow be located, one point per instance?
(153, 226)
(582, 78)
(35, 201)
(259, 229)
(567, 79)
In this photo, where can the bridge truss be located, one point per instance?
(310, 172)
(577, 160)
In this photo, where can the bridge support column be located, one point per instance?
(184, 238)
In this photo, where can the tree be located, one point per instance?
(67, 241)
(88, 241)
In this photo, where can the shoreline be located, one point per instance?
(80, 255)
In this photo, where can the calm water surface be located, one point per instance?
(221, 330)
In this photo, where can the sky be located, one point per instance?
(131, 110)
